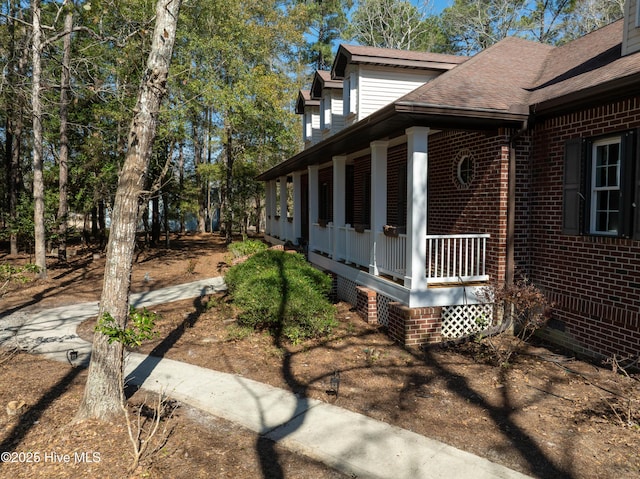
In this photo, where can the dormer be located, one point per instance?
(374, 77)
(309, 108)
(329, 92)
(631, 32)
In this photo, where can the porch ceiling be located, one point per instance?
(392, 121)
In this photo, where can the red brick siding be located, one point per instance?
(594, 281)
(415, 327)
(367, 304)
(481, 208)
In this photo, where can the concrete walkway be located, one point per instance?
(349, 442)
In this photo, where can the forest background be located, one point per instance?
(71, 73)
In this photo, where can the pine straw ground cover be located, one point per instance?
(547, 414)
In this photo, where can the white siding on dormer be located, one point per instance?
(315, 125)
(325, 111)
(311, 126)
(350, 96)
(631, 36)
(333, 104)
(337, 118)
(306, 126)
(380, 86)
(346, 102)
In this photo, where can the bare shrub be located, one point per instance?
(145, 434)
(521, 310)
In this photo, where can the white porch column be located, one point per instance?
(378, 201)
(283, 208)
(339, 203)
(417, 169)
(313, 203)
(268, 206)
(297, 206)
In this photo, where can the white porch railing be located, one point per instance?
(322, 238)
(391, 255)
(450, 258)
(456, 258)
(357, 246)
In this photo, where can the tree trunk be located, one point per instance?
(165, 212)
(38, 180)
(155, 219)
(15, 122)
(181, 173)
(63, 206)
(229, 187)
(104, 390)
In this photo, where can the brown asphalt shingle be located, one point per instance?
(497, 78)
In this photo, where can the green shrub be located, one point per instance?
(281, 292)
(246, 247)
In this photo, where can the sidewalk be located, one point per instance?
(349, 442)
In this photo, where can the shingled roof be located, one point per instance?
(357, 54)
(497, 78)
(304, 100)
(505, 85)
(321, 80)
(591, 66)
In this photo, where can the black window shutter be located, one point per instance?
(571, 195)
(636, 196)
(628, 180)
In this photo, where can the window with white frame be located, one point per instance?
(353, 93)
(325, 112)
(346, 97)
(307, 126)
(349, 94)
(605, 186)
(601, 186)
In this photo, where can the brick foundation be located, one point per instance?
(367, 304)
(415, 326)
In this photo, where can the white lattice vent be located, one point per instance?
(464, 320)
(347, 291)
(383, 309)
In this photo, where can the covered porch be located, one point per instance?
(367, 216)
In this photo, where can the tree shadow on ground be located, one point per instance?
(539, 464)
(144, 369)
(502, 413)
(34, 412)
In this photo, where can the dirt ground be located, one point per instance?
(547, 415)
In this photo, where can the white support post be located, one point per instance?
(417, 170)
(313, 203)
(267, 208)
(283, 208)
(339, 202)
(297, 206)
(378, 198)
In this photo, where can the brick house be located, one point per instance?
(424, 177)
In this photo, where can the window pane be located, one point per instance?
(601, 221)
(612, 175)
(602, 201)
(613, 221)
(601, 176)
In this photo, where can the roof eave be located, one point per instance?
(602, 93)
(393, 120)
